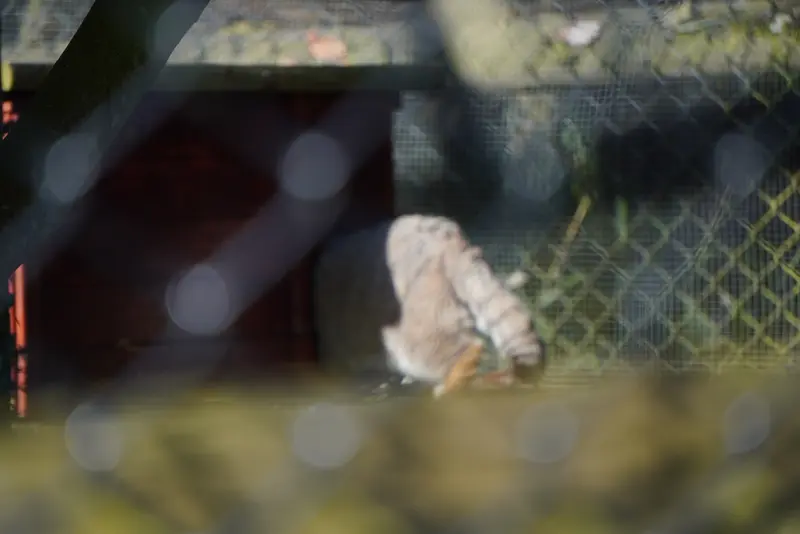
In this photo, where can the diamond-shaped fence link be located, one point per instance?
(668, 147)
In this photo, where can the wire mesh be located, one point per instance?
(238, 32)
(57, 20)
(688, 252)
(677, 257)
(658, 217)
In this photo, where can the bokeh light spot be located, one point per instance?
(747, 423)
(70, 167)
(315, 167)
(175, 16)
(546, 433)
(326, 436)
(93, 438)
(199, 302)
(740, 163)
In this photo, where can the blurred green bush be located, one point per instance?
(625, 456)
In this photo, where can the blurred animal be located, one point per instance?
(446, 292)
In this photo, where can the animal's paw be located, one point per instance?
(516, 280)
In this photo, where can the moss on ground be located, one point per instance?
(490, 44)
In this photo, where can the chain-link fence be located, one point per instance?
(636, 158)
(645, 176)
(689, 239)
(637, 161)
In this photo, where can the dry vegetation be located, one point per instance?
(621, 457)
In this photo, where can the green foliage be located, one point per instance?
(624, 456)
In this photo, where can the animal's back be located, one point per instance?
(413, 242)
(434, 329)
(461, 290)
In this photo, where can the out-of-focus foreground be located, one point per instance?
(634, 456)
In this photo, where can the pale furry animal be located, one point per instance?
(446, 290)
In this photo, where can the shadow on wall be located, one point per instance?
(353, 300)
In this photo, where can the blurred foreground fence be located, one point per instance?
(624, 457)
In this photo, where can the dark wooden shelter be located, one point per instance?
(189, 172)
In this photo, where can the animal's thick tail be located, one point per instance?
(416, 240)
(498, 312)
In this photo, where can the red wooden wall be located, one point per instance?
(195, 180)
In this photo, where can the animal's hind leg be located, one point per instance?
(462, 371)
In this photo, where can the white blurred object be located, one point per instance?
(581, 33)
(93, 438)
(315, 167)
(741, 163)
(747, 423)
(779, 23)
(546, 433)
(516, 280)
(199, 301)
(326, 436)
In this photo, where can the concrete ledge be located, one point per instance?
(204, 77)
